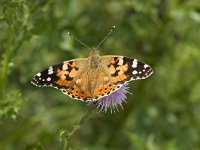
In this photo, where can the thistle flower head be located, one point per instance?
(113, 100)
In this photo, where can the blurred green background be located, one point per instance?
(162, 114)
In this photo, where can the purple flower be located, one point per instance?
(113, 100)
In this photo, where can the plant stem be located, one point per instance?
(5, 61)
(78, 126)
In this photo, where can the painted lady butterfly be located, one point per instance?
(92, 78)
(89, 79)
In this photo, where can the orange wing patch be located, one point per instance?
(79, 93)
(67, 73)
(117, 69)
(104, 90)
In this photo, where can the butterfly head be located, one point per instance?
(94, 52)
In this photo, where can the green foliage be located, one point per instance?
(14, 31)
(10, 104)
(163, 112)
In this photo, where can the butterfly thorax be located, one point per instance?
(94, 60)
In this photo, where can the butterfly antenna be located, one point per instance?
(113, 27)
(78, 40)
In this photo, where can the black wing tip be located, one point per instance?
(35, 82)
(141, 71)
(41, 82)
(149, 71)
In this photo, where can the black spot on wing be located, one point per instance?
(70, 62)
(69, 67)
(68, 78)
(116, 62)
(76, 68)
(115, 74)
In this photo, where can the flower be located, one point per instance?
(113, 100)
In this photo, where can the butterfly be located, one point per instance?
(89, 79)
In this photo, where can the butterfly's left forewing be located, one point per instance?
(60, 76)
(124, 69)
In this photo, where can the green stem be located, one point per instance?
(78, 126)
(4, 71)
(5, 61)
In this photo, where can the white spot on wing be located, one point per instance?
(50, 71)
(145, 66)
(135, 63)
(39, 74)
(134, 72)
(48, 79)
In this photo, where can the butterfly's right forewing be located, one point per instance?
(124, 69)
